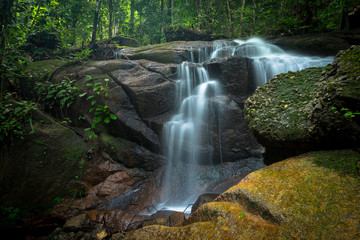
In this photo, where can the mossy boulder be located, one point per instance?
(44, 165)
(182, 33)
(123, 41)
(298, 198)
(37, 71)
(129, 153)
(171, 52)
(163, 53)
(316, 108)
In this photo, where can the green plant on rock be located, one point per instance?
(12, 115)
(11, 66)
(76, 193)
(9, 216)
(60, 95)
(101, 113)
(346, 112)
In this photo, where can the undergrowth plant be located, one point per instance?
(12, 115)
(9, 216)
(346, 112)
(11, 65)
(60, 95)
(101, 113)
(82, 55)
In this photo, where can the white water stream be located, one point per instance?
(186, 138)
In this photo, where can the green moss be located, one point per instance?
(162, 53)
(351, 61)
(43, 69)
(344, 162)
(279, 107)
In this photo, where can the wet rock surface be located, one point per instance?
(300, 197)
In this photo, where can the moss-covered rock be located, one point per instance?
(162, 53)
(171, 52)
(44, 165)
(292, 199)
(316, 108)
(38, 71)
(129, 153)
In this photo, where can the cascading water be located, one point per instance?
(186, 141)
(269, 60)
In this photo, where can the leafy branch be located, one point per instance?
(101, 112)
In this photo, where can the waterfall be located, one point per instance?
(186, 141)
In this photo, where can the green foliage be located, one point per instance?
(80, 55)
(13, 114)
(101, 113)
(76, 193)
(11, 65)
(9, 216)
(346, 112)
(72, 21)
(60, 94)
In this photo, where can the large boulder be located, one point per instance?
(135, 90)
(317, 108)
(318, 44)
(304, 197)
(182, 33)
(233, 74)
(29, 166)
(232, 138)
(172, 52)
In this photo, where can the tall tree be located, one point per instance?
(161, 19)
(229, 13)
(5, 19)
(110, 18)
(241, 17)
(132, 17)
(96, 20)
(253, 18)
(172, 12)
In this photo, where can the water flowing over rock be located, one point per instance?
(209, 127)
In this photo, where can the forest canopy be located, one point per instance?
(78, 22)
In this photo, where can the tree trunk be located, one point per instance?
(132, 18)
(5, 19)
(253, 18)
(229, 16)
(241, 17)
(172, 12)
(96, 20)
(161, 15)
(110, 18)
